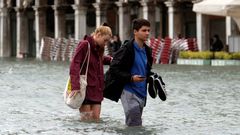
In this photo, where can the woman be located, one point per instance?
(91, 107)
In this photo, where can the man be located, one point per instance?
(128, 73)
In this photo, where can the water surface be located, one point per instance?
(201, 100)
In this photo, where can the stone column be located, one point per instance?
(40, 26)
(124, 21)
(144, 9)
(170, 5)
(59, 20)
(228, 28)
(100, 13)
(22, 31)
(80, 21)
(5, 47)
(202, 32)
(148, 10)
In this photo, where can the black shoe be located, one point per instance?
(160, 87)
(151, 89)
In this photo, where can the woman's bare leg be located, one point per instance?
(85, 112)
(90, 112)
(96, 110)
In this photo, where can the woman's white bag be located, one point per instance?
(74, 99)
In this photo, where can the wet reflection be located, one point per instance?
(201, 100)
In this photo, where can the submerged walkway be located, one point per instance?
(201, 100)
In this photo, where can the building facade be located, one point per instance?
(23, 23)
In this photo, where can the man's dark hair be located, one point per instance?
(138, 23)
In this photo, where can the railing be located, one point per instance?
(164, 51)
(60, 49)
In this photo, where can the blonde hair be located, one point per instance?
(103, 30)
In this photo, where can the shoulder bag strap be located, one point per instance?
(84, 61)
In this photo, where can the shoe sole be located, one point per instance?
(151, 89)
(161, 89)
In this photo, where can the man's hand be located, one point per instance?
(138, 78)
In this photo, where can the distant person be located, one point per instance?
(115, 43)
(91, 106)
(179, 36)
(128, 73)
(216, 44)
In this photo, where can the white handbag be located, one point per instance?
(74, 99)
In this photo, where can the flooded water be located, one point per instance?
(202, 100)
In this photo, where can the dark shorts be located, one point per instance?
(89, 102)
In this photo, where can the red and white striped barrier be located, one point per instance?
(165, 51)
